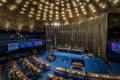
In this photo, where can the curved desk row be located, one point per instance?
(89, 75)
(53, 77)
(14, 72)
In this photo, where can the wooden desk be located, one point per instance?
(77, 64)
(90, 55)
(81, 73)
(53, 77)
(104, 76)
(115, 77)
(72, 50)
(72, 72)
(90, 75)
(28, 64)
(39, 61)
(15, 71)
(93, 75)
(61, 69)
(51, 51)
(21, 76)
(77, 50)
(67, 49)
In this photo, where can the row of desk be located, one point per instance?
(53, 77)
(30, 65)
(89, 75)
(40, 62)
(77, 64)
(70, 50)
(14, 72)
(74, 50)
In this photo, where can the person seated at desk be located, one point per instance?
(51, 58)
(67, 46)
(87, 51)
(90, 55)
(75, 46)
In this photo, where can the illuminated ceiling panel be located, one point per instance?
(69, 11)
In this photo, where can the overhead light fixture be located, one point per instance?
(59, 10)
(56, 23)
(4, 1)
(1, 4)
(30, 15)
(18, 1)
(13, 7)
(22, 12)
(116, 1)
(37, 18)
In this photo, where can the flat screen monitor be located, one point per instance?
(25, 44)
(37, 43)
(115, 47)
(13, 46)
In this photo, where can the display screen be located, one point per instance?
(37, 43)
(13, 46)
(116, 47)
(26, 44)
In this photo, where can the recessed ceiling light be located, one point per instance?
(1, 4)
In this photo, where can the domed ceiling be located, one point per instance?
(62, 11)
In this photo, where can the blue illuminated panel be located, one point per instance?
(26, 44)
(37, 43)
(13, 46)
(116, 47)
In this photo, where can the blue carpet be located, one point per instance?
(95, 66)
(73, 56)
(115, 68)
(62, 61)
(44, 55)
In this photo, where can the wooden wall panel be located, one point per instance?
(90, 34)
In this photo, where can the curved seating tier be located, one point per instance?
(53, 77)
(87, 75)
(24, 69)
(14, 72)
